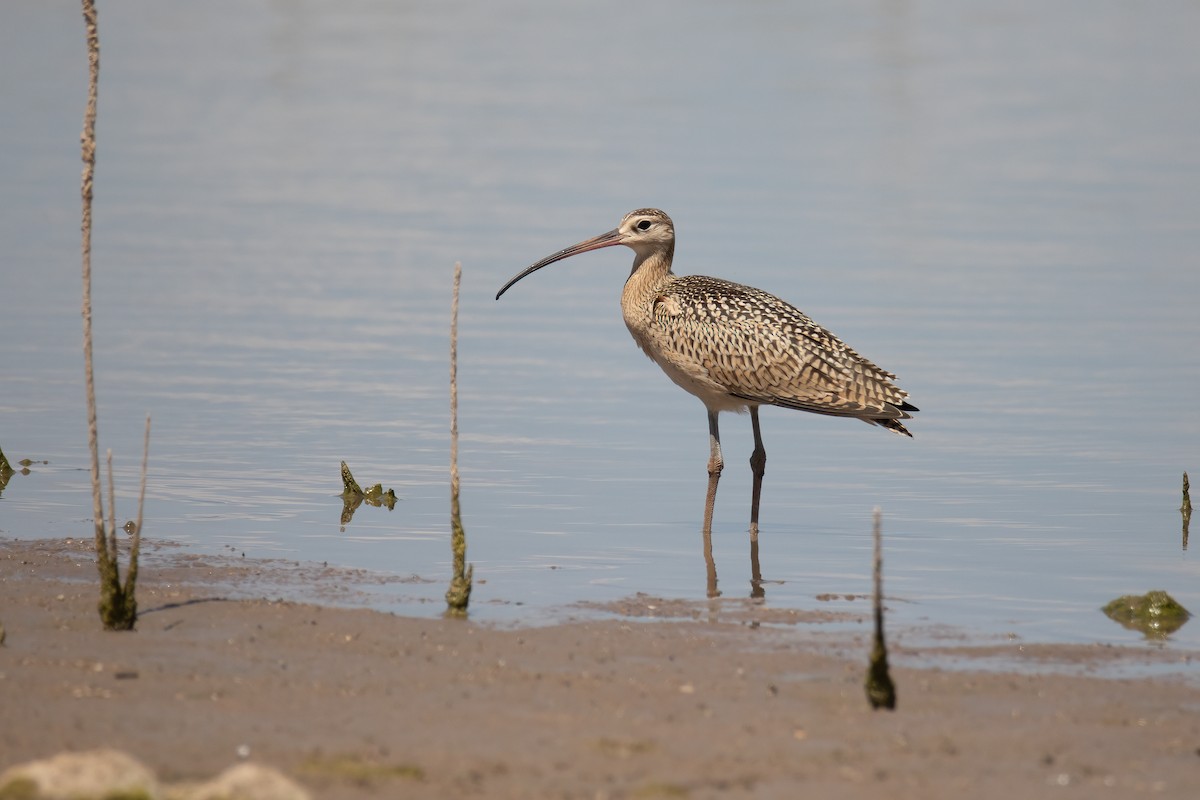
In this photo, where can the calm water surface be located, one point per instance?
(997, 202)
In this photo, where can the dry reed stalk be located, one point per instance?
(118, 603)
(1186, 509)
(881, 692)
(458, 596)
(88, 144)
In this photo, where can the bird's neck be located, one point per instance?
(650, 275)
(651, 268)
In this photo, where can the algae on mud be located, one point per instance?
(354, 496)
(1155, 614)
(360, 770)
(6, 471)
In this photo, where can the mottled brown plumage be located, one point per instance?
(736, 347)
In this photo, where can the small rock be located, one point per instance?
(81, 776)
(248, 782)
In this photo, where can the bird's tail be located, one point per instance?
(903, 411)
(893, 425)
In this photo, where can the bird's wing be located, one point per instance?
(764, 350)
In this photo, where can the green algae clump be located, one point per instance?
(1156, 614)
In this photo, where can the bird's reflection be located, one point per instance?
(710, 565)
(758, 589)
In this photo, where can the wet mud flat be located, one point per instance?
(651, 698)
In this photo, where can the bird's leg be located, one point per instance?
(758, 465)
(715, 465)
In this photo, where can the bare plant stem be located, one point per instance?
(1186, 509)
(112, 508)
(881, 692)
(136, 545)
(458, 596)
(88, 143)
(118, 606)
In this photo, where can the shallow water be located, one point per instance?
(996, 203)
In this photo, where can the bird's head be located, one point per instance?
(645, 231)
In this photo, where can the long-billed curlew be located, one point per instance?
(736, 347)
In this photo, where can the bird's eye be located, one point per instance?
(644, 225)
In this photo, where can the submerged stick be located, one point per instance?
(458, 596)
(881, 692)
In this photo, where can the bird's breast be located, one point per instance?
(659, 325)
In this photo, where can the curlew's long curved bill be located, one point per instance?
(595, 243)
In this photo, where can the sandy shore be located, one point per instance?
(723, 700)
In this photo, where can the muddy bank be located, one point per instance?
(673, 701)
